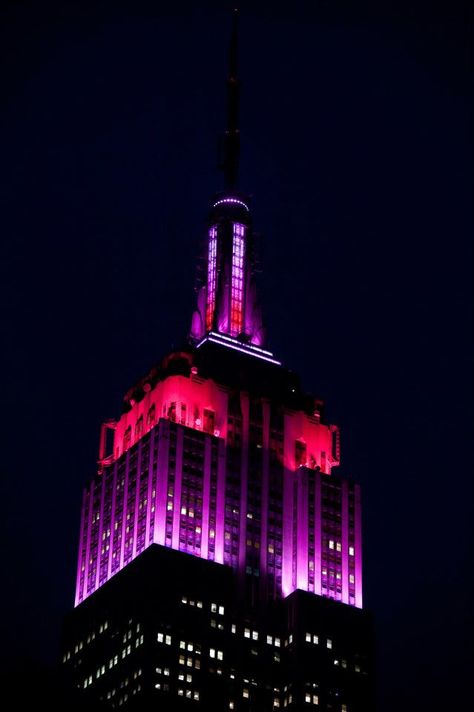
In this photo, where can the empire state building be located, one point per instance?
(220, 553)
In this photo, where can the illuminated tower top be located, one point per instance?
(227, 301)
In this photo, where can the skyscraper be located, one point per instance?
(220, 555)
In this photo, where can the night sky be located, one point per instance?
(357, 152)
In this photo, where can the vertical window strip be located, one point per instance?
(211, 277)
(238, 254)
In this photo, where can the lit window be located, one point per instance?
(254, 635)
(196, 695)
(182, 644)
(315, 700)
(220, 655)
(338, 546)
(168, 640)
(343, 708)
(247, 633)
(269, 640)
(351, 578)
(214, 607)
(351, 551)
(233, 628)
(308, 637)
(212, 653)
(315, 639)
(329, 643)
(277, 642)
(307, 697)
(331, 544)
(221, 610)
(245, 692)
(160, 637)
(231, 705)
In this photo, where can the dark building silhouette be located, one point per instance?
(220, 559)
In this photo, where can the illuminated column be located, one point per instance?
(265, 490)
(345, 541)
(112, 522)
(287, 545)
(318, 514)
(244, 405)
(81, 561)
(137, 499)
(124, 510)
(149, 504)
(220, 502)
(88, 542)
(161, 488)
(177, 490)
(100, 542)
(358, 546)
(302, 529)
(238, 279)
(211, 277)
(206, 497)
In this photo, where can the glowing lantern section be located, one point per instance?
(237, 295)
(211, 277)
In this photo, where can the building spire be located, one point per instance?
(231, 146)
(227, 303)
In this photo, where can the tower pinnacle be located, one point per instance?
(231, 147)
(227, 304)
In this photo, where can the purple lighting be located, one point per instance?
(238, 346)
(211, 277)
(234, 201)
(227, 302)
(237, 295)
(150, 491)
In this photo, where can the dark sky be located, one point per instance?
(357, 150)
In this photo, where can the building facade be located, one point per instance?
(220, 554)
